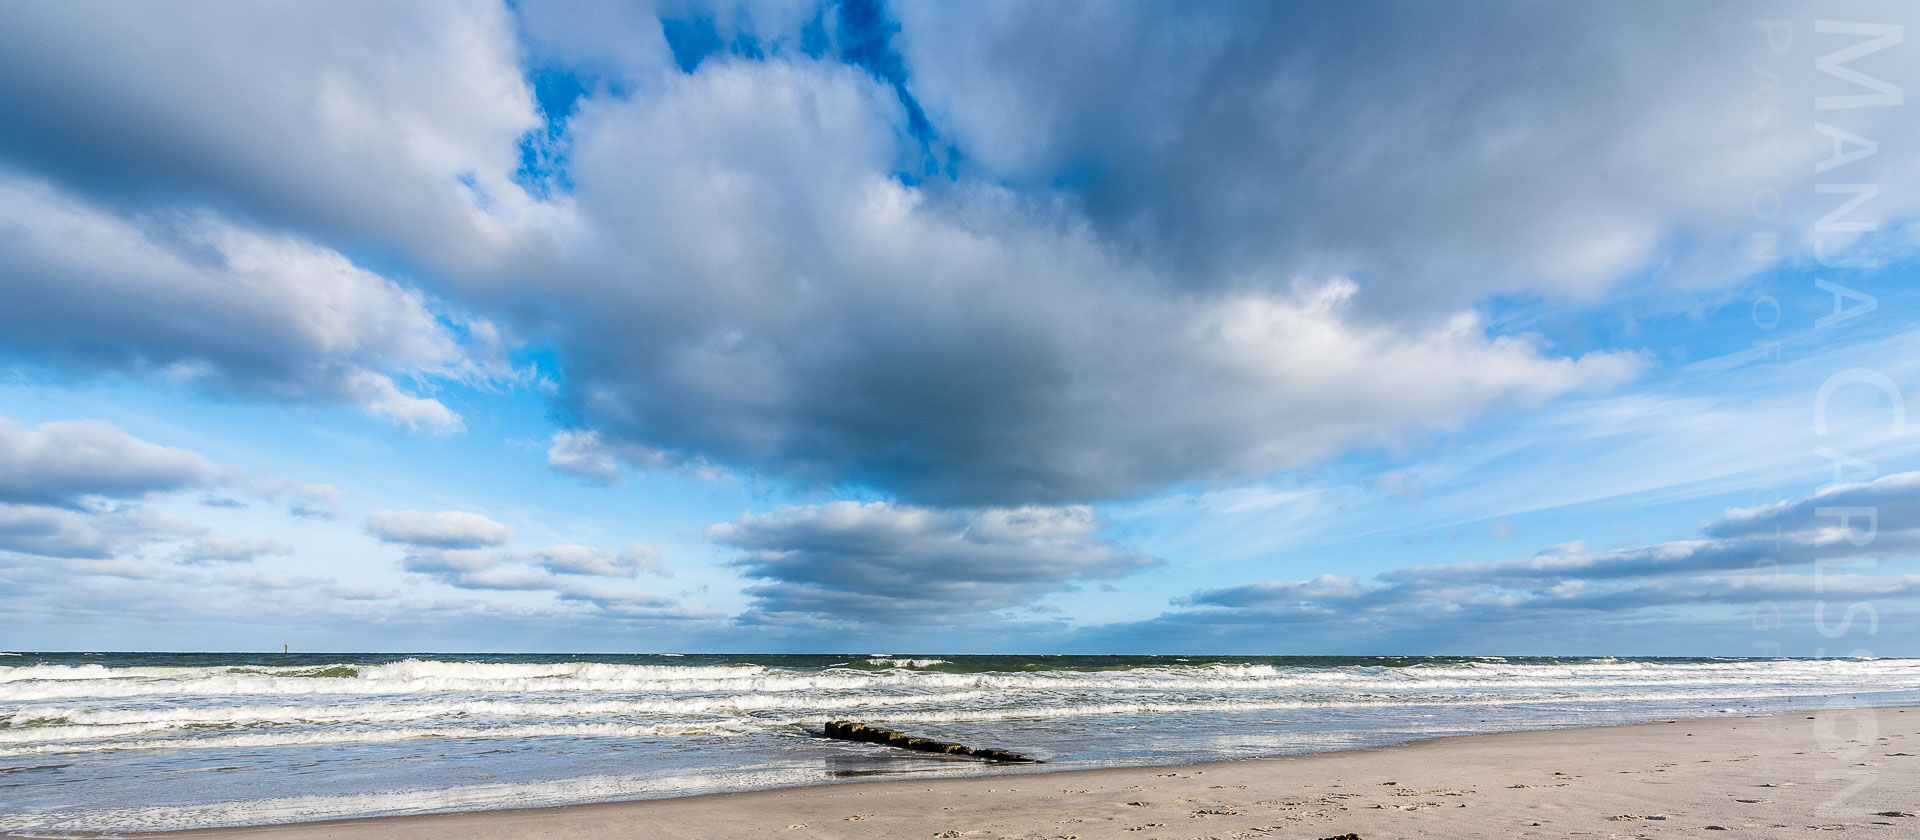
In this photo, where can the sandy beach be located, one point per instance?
(1778, 775)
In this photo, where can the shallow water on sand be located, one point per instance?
(127, 742)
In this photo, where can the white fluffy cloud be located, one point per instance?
(558, 570)
(74, 489)
(190, 297)
(61, 463)
(583, 453)
(451, 529)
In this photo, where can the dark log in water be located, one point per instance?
(847, 730)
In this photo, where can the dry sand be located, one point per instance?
(1782, 775)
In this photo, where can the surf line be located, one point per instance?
(847, 730)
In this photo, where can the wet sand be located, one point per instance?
(1783, 775)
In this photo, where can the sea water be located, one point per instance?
(115, 742)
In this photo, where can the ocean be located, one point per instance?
(114, 742)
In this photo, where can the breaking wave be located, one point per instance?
(577, 728)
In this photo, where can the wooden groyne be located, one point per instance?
(847, 730)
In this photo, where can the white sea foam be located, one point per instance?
(891, 662)
(31, 724)
(414, 677)
(376, 736)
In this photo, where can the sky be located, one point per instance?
(1257, 328)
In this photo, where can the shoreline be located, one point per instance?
(1778, 774)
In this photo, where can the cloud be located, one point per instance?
(305, 499)
(555, 569)
(1322, 588)
(66, 490)
(451, 561)
(1126, 269)
(445, 529)
(481, 569)
(1851, 512)
(888, 563)
(219, 549)
(62, 463)
(590, 560)
(302, 510)
(1838, 522)
(1207, 294)
(581, 454)
(191, 298)
(1012, 254)
(1400, 484)
(370, 124)
(1825, 547)
(837, 349)
(327, 587)
(1257, 139)
(119, 567)
(586, 455)
(83, 534)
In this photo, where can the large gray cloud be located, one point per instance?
(1173, 246)
(1442, 152)
(777, 300)
(880, 562)
(1180, 244)
(376, 125)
